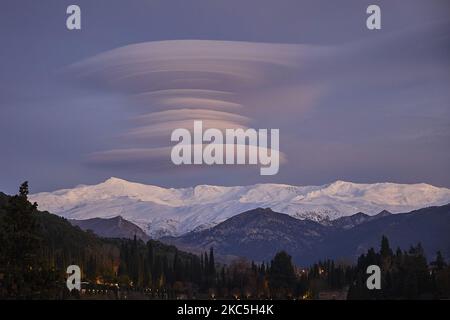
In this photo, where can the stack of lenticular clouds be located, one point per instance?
(337, 107)
(172, 83)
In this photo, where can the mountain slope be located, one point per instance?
(257, 234)
(161, 211)
(260, 233)
(37, 247)
(429, 226)
(348, 222)
(116, 227)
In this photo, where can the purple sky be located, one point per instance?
(351, 104)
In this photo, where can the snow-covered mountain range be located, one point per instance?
(168, 211)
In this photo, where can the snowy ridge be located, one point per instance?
(168, 211)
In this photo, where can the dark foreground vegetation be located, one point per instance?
(36, 248)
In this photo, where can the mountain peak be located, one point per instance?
(383, 213)
(114, 180)
(341, 182)
(115, 227)
(118, 218)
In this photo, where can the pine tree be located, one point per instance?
(23, 190)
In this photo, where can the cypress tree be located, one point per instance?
(206, 262)
(212, 265)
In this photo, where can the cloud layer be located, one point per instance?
(173, 83)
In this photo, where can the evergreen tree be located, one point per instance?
(439, 263)
(281, 275)
(385, 248)
(23, 190)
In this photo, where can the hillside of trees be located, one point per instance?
(404, 274)
(38, 246)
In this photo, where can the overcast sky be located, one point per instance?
(351, 104)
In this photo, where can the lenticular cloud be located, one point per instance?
(176, 82)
